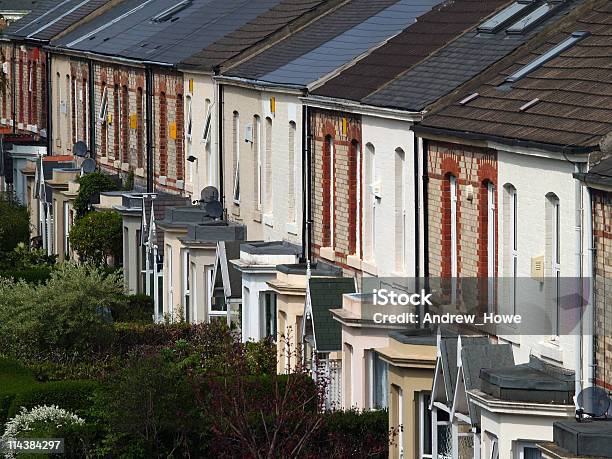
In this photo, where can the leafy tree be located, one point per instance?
(64, 320)
(90, 187)
(14, 222)
(97, 236)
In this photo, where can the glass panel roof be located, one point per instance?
(506, 15)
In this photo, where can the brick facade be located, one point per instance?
(28, 90)
(473, 168)
(344, 130)
(602, 242)
(121, 138)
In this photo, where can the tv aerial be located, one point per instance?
(595, 403)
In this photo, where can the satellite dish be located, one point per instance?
(88, 166)
(214, 209)
(209, 194)
(80, 148)
(593, 401)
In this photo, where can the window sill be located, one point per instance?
(354, 261)
(117, 164)
(236, 209)
(180, 184)
(268, 220)
(257, 216)
(292, 228)
(102, 160)
(139, 172)
(328, 253)
(369, 267)
(125, 167)
(162, 179)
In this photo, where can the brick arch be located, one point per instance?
(450, 165)
(445, 233)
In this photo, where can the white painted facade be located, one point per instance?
(536, 177)
(262, 132)
(201, 108)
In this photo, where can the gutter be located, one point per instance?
(331, 103)
(420, 129)
(260, 84)
(220, 144)
(417, 209)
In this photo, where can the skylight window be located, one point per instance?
(547, 56)
(506, 16)
(469, 98)
(170, 12)
(533, 18)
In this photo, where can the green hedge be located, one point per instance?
(137, 308)
(70, 395)
(39, 274)
(13, 379)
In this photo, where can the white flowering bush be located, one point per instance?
(47, 417)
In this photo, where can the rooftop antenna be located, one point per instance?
(593, 402)
(80, 149)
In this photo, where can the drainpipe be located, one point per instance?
(417, 209)
(14, 87)
(304, 257)
(149, 120)
(425, 147)
(220, 143)
(49, 106)
(92, 110)
(589, 316)
(578, 351)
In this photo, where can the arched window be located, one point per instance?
(163, 135)
(292, 176)
(85, 110)
(553, 253)
(180, 138)
(236, 156)
(74, 111)
(329, 176)
(511, 241)
(354, 198)
(369, 203)
(449, 232)
(268, 168)
(400, 211)
(116, 123)
(102, 117)
(257, 161)
(58, 106)
(125, 125)
(139, 128)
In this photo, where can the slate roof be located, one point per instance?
(18, 5)
(460, 61)
(573, 109)
(51, 17)
(128, 30)
(253, 32)
(431, 31)
(326, 294)
(332, 41)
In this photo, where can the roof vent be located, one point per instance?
(534, 18)
(469, 98)
(547, 56)
(168, 13)
(506, 16)
(529, 104)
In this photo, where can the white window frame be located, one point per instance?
(169, 293)
(103, 106)
(400, 419)
(76, 109)
(207, 127)
(257, 129)
(86, 128)
(66, 227)
(556, 257)
(189, 120)
(494, 452)
(236, 133)
(186, 297)
(332, 209)
(30, 77)
(513, 246)
(293, 175)
(423, 408)
(521, 448)
(453, 222)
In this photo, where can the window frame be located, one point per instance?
(102, 114)
(207, 127)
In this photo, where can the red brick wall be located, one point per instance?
(346, 136)
(602, 241)
(472, 166)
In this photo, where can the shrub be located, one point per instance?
(66, 319)
(14, 222)
(353, 433)
(90, 187)
(41, 421)
(97, 236)
(138, 308)
(13, 378)
(33, 275)
(72, 395)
